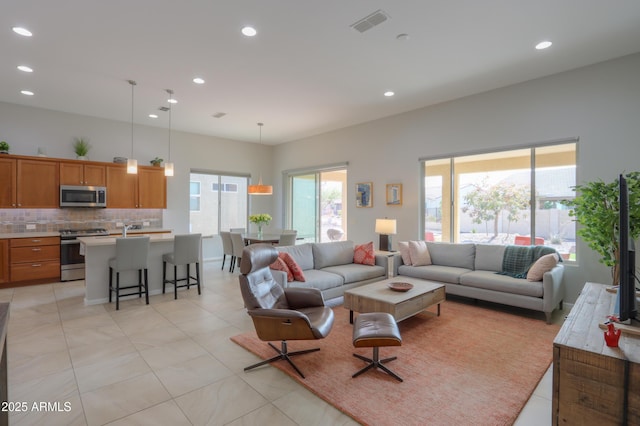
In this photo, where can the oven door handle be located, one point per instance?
(65, 242)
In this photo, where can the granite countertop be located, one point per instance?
(34, 234)
(111, 240)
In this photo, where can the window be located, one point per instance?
(194, 196)
(316, 203)
(503, 197)
(225, 206)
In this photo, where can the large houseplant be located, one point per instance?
(596, 209)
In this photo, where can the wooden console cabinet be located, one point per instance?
(588, 376)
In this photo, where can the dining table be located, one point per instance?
(261, 238)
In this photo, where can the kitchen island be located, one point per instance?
(98, 250)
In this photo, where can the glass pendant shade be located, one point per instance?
(168, 169)
(168, 166)
(132, 166)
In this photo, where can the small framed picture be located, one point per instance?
(364, 194)
(394, 194)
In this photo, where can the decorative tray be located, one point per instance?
(400, 286)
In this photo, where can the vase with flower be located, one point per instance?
(260, 219)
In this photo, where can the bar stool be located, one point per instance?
(186, 250)
(131, 255)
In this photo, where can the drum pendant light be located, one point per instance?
(260, 189)
(132, 163)
(168, 166)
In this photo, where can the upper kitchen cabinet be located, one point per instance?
(79, 173)
(145, 190)
(29, 184)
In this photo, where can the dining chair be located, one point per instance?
(227, 246)
(239, 230)
(131, 255)
(186, 252)
(288, 237)
(237, 240)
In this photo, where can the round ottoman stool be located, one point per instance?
(373, 330)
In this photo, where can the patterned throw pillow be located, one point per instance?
(419, 253)
(364, 254)
(279, 265)
(542, 265)
(295, 269)
(403, 247)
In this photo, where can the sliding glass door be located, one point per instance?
(316, 204)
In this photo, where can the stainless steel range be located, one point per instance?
(71, 261)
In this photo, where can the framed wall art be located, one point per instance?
(394, 194)
(364, 194)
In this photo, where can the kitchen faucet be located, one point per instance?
(124, 230)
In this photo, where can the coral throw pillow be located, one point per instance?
(403, 247)
(279, 265)
(364, 254)
(293, 266)
(542, 265)
(419, 253)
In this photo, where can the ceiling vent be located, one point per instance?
(163, 108)
(368, 22)
(219, 114)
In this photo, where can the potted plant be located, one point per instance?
(81, 148)
(156, 161)
(596, 209)
(260, 219)
(4, 147)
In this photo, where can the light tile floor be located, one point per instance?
(168, 363)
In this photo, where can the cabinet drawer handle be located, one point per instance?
(36, 249)
(35, 241)
(36, 265)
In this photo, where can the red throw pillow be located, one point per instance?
(296, 270)
(279, 265)
(364, 254)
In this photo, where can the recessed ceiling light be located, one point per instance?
(27, 92)
(389, 93)
(198, 80)
(543, 45)
(249, 31)
(402, 37)
(153, 115)
(172, 101)
(22, 31)
(25, 68)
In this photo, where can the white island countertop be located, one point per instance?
(97, 252)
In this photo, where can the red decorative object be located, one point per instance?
(612, 335)
(364, 254)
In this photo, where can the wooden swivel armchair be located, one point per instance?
(277, 313)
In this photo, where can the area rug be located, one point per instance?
(470, 366)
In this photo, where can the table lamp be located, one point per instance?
(386, 228)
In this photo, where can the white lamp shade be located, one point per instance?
(168, 169)
(132, 166)
(386, 226)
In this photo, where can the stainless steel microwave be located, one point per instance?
(83, 196)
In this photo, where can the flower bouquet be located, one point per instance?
(260, 219)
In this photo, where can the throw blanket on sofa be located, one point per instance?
(518, 259)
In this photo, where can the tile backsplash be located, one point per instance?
(52, 220)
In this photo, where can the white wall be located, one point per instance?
(600, 104)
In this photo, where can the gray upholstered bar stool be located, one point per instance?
(131, 255)
(186, 251)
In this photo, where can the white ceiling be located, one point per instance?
(306, 72)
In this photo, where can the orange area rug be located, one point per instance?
(472, 365)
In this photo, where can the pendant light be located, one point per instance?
(168, 166)
(260, 189)
(132, 163)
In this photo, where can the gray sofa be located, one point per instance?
(469, 270)
(329, 267)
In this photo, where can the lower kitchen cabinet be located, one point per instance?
(34, 259)
(4, 261)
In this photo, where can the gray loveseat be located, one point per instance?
(469, 270)
(329, 267)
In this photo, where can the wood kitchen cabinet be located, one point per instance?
(79, 173)
(4, 261)
(29, 183)
(146, 190)
(34, 259)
